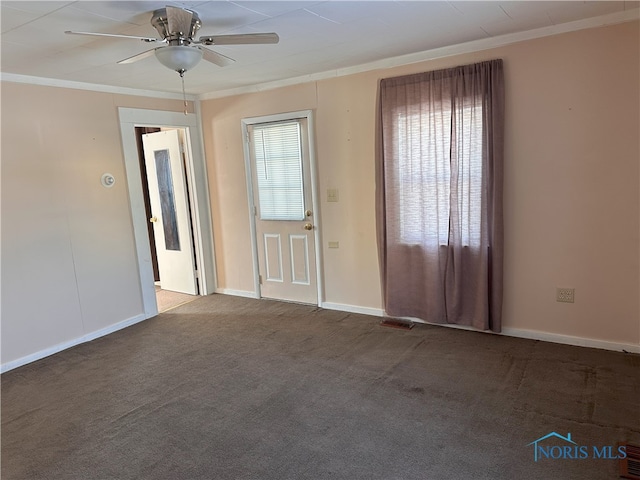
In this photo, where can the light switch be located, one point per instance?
(334, 244)
(332, 194)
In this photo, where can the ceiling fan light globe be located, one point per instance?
(178, 57)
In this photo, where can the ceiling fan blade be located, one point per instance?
(240, 39)
(93, 34)
(215, 57)
(139, 56)
(179, 20)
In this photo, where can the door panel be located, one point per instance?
(273, 257)
(170, 209)
(299, 249)
(281, 180)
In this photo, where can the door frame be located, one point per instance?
(304, 114)
(196, 177)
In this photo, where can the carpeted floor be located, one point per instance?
(232, 388)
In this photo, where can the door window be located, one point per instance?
(278, 168)
(167, 200)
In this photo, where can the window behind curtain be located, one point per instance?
(439, 194)
(423, 151)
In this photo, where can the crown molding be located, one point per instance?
(448, 51)
(94, 87)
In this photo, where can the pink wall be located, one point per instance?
(572, 176)
(69, 265)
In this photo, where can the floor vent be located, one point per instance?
(630, 466)
(395, 323)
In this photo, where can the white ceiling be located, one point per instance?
(315, 36)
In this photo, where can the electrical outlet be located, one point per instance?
(565, 295)
(332, 194)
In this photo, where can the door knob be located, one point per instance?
(308, 213)
(153, 219)
(308, 226)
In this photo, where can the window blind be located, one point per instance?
(278, 157)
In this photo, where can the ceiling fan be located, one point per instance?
(180, 51)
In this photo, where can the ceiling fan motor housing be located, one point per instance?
(160, 22)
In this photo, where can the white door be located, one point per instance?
(170, 211)
(284, 219)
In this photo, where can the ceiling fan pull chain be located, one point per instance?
(184, 95)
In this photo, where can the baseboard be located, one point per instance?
(375, 312)
(570, 340)
(509, 332)
(5, 367)
(237, 293)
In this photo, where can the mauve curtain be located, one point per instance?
(439, 195)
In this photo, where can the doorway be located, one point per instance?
(167, 203)
(200, 237)
(147, 203)
(169, 200)
(284, 215)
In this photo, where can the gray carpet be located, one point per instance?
(232, 388)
